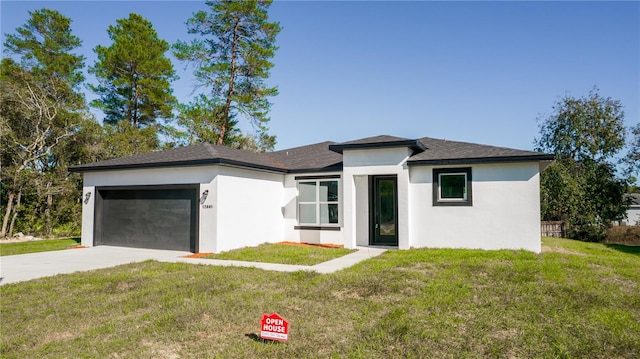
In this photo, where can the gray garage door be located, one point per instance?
(147, 217)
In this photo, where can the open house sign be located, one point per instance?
(274, 327)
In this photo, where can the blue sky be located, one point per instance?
(479, 72)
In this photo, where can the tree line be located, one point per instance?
(46, 122)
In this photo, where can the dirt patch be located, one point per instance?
(346, 294)
(22, 238)
(561, 250)
(123, 286)
(162, 350)
(58, 337)
(505, 334)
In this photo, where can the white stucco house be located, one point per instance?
(377, 191)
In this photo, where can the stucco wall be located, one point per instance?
(361, 209)
(207, 234)
(505, 211)
(151, 176)
(249, 208)
(86, 235)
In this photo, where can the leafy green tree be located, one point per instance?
(123, 139)
(35, 125)
(86, 145)
(591, 127)
(581, 187)
(260, 142)
(232, 60)
(134, 74)
(41, 108)
(632, 160)
(201, 119)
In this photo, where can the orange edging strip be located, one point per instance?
(312, 245)
(78, 247)
(198, 255)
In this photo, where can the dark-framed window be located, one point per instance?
(452, 187)
(318, 202)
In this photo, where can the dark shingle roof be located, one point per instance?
(311, 157)
(324, 156)
(453, 152)
(200, 154)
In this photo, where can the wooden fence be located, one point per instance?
(552, 229)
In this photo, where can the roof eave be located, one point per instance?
(501, 159)
(333, 168)
(414, 145)
(203, 162)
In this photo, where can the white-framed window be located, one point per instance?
(452, 187)
(319, 202)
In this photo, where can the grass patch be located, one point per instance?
(581, 300)
(8, 249)
(283, 253)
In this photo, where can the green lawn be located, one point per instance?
(8, 249)
(577, 300)
(283, 253)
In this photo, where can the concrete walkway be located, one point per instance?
(25, 267)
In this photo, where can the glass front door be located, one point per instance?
(384, 211)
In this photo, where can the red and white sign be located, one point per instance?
(274, 327)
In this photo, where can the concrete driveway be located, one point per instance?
(25, 267)
(44, 264)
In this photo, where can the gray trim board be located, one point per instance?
(213, 161)
(460, 161)
(316, 177)
(414, 145)
(317, 228)
(314, 170)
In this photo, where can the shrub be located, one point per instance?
(587, 233)
(68, 229)
(623, 235)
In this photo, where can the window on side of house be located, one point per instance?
(318, 202)
(452, 187)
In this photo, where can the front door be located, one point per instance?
(384, 211)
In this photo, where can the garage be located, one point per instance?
(157, 217)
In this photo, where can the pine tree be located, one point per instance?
(44, 46)
(232, 60)
(134, 75)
